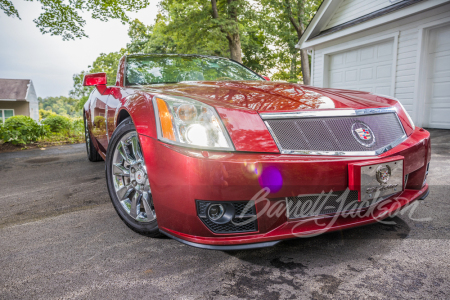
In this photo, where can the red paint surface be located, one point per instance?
(94, 79)
(178, 176)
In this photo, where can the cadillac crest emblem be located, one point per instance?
(383, 173)
(363, 134)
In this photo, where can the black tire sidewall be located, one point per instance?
(150, 228)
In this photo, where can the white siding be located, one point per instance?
(32, 99)
(351, 9)
(407, 51)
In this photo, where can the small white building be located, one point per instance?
(18, 97)
(388, 47)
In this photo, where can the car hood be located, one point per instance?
(269, 96)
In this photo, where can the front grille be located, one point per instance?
(321, 204)
(237, 224)
(334, 134)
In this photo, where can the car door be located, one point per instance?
(98, 119)
(111, 107)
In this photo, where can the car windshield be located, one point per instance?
(142, 70)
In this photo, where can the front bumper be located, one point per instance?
(179, 177)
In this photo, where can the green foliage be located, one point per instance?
(107, 63)
(65, 106)
(78, 125)
(8, 8)
(45, 113)
(266, 35)
(54, 130)
(278, 27)
(22, 130)
(188, 27)
(64, 18)
(58, 124)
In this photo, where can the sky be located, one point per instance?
(49, 61)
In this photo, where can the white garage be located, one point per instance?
(437, 100)
(399, 48)
(367, 68)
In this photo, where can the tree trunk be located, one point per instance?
(300, 28)
(234, 39)
(293, 73)
(305, 67)
(235, 47)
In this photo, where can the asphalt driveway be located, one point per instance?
(60, 238)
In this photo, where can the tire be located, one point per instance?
(127, 181)
(92, 153)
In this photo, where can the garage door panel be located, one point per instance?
(440, 115)
(384, 72)
(437, 100)
(441, 39)
(366, 73)
(441, 64)
(383, 90)
(367, 53)
(351, 57)
(336, 78)
(351, 75)
(440, 91)
(337, 61)
(385, 51)
(368, 68)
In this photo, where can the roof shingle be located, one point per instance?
(14, 88)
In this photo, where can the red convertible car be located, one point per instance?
(206, 151)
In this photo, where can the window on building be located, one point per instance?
(5, 114)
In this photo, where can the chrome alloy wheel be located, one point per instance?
(130, 179)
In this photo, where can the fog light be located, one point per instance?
(215, 212)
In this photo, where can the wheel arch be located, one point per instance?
(122, 114)
(140, 109)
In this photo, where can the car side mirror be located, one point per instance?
(94, 79)
(266, 78)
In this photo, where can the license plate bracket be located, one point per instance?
(377, 178)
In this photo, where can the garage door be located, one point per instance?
(437, 103)
(368, 68)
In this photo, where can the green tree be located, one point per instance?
(64, 18)
(194, 27)
(107, 63)
(65, 106)
(295, 16)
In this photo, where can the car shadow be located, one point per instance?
(315, 266)
(375, 236)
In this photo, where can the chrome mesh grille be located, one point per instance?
(321, 204)
(334, 134)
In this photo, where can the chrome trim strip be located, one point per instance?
(327, 113)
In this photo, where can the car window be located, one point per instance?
(143, 70)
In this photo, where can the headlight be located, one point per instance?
(187, 122)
